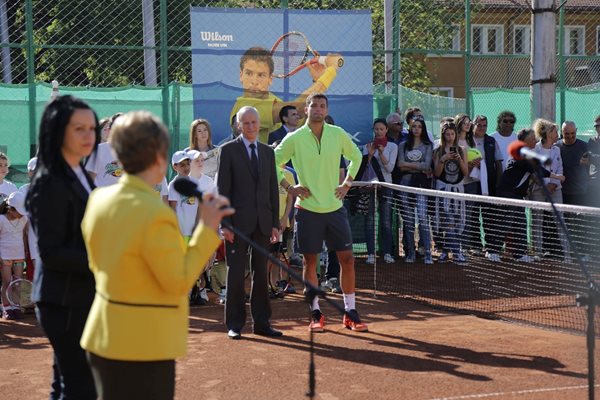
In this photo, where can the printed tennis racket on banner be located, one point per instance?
(291, 53)
(19, 293)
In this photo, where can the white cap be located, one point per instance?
(17, 201)
(193, 154)
(32, 164)
(179, 156)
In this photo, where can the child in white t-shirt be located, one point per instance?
(216, 272)
(103, 166)
(185, 207)
(13, 224)
(6, 187)
(163, 190)
(205, 183)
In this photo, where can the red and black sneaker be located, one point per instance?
(317, 322)
(352, 321)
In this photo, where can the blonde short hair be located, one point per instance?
(542, 127)
(137, 138)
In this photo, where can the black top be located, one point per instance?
(451, 174)
(57, 203)
(514, 181)
(576, 174)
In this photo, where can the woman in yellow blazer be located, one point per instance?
(138, 322)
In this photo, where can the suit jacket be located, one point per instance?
(143, 273)
(489, 149)
(277, 135)
(256, 202)
(56, 203)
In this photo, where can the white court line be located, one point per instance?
(518, 392)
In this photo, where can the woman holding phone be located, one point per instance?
(379, 159)
(450, 168)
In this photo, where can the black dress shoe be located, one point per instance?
(269, 332)
(233, 334)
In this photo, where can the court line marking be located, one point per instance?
(513, 393)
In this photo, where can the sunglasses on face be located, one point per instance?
(508, 121)
(396, 123)
(597, 125)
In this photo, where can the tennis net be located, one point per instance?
(493, 257)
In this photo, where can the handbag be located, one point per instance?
(420, 180)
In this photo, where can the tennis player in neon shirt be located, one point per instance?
(315, 150)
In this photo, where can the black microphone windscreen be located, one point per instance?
(186, 187)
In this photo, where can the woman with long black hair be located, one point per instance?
(414, 161)
(379, 157)
(63, 287)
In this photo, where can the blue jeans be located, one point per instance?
(408, 214)
(472, 232)
(452, 224)
(385, 220)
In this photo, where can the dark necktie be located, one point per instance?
(254, 160)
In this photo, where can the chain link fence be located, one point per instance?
(446, 56)
(501, 37)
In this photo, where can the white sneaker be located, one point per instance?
(389, 259)
(459, 258)
(371, 259)
(222, 296)
(493, 257)
(325, 285)
(428, 259)
(526, 259)
(204, 294)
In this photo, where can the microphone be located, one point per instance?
(520, 151)
(187, 188)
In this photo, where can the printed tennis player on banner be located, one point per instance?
(278, 60)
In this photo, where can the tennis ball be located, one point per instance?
(473, 154)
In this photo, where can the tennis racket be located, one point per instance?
(212, 153)
(19, 293)
(291, 53)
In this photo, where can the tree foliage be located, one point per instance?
(64, 28)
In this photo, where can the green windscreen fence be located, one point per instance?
(433, 107)
(14, 120)
(581, 106)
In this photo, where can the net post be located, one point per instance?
(375, 224)
(164, 63)
(31, 76)
(467, 55)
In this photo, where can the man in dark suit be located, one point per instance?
(289, 117)
(247, 177)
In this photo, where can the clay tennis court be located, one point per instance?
(411, 352)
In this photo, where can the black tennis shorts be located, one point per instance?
(313, 228)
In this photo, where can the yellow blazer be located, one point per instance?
(143, 273)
